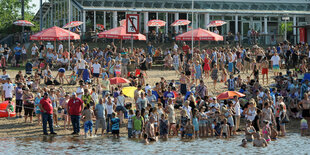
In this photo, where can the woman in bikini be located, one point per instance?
(266, 131)
(305, 106)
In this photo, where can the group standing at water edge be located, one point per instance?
(180, 107)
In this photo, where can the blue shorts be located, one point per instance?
(38, 111)
(189, 135)
(276, 67)
(88, 125)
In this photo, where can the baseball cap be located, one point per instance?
(73, 94)
(45, 94)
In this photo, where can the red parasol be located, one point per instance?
(199, 34)
(216, 23)
(180, 22)
(100, 26)
(120, 33)
(229, 95)
(156, 22)
(118, 80)
(23, 23)
(55, 33)
(73, 24)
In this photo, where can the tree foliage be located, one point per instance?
(10, 11)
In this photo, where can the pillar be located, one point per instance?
(186, 19)
(114, 19)
(146, 19)
(176, 17)
(196, 21)
(157, 19)
(84, 22)
(104, 19)
(41, 17)
(266, 29)
(251, 23)
(294, 29)
(167, 23)
(207, 19)
(95, 22)
(236, 24)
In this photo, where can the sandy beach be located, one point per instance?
(12, 127)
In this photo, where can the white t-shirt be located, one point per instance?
(4, 77)
(237, 108)
(79, 55)
(109, 108)
(275, 60)
(96, 68)
(8, 89)
(81, 65)
(80, 90)
(60, 47)
(33, 50)
(175, 47)
(24, 51)
(176, 59)
(120, 100)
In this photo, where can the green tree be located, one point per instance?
(289, 27)
(10, 11)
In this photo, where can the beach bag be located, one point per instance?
(286, 119)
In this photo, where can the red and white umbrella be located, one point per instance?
(100, 26)
(23, 23)
(73, 24)
(120, 33)
(156, 22)
(216, 23)
(199, 34)
(180, 22)
(55, 33)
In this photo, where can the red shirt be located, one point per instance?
(75, 106)
(47, 105)
(185, 48)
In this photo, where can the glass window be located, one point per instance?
(228, 18)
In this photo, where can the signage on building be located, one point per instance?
(132, 24)
(285, 18)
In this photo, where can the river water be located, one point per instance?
(291, 144)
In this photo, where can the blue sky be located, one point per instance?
(37, 3)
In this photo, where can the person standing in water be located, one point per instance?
(47, 114)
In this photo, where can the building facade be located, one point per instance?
(263, 16)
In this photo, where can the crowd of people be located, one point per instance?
(182, 107)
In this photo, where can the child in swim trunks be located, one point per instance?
(9, 108)
(189, 129)
(303, 127)
(274, 133)
(87, 115)
(115, 125)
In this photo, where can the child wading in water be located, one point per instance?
(163, 126)
(115, 125)
(303, 127)
(225, 129)
(189, 129)
(87, 119)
